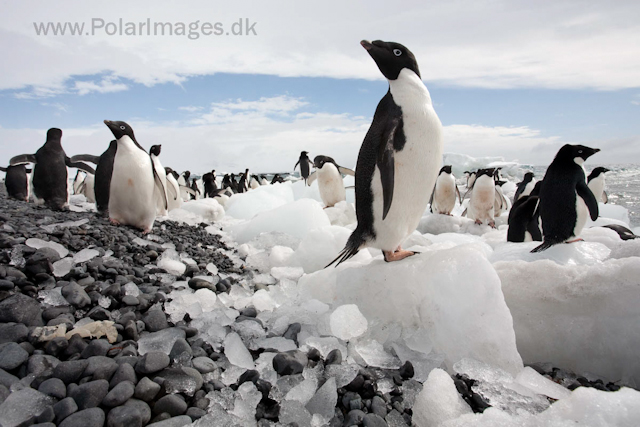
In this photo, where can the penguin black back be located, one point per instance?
(524, 216)
(104, 170)
(50, 171)
(563, 182)
(17, 182)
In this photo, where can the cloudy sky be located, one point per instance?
(515, 79)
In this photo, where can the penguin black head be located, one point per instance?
(319, 161)
(304, 153)
(186, 174)
(155, 150)
(120, 129)
(446, 169)
(597, 172)
(489, 172)
(576, 153)
(391, 57)
(54, 134)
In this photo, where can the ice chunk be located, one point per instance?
(170, 261)
(347, 322)
(325, 345)
(104, 301)
(262, 301)
(343, 374)
(50, 227)
(262, 199)
(455, 294)
(531, 379)
(159, 341)
(17, 260)
(21, 405)
(292, 411)
(52, 297)
(296, 219)
(246, 402)
(280, 344)
(62, 267)
(207, 209)
(321, 246)
(304, 391)
(39, 243)
(580, 317)
(580, 253)
(374, 355)
(85, 255)
(211, 268)
(280, 256)
(439, 401)
(131, 288)
(324, 401)
(236, 351)
(290, 273)
(423, 363)
(342, 214)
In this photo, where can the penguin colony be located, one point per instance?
(398, 176)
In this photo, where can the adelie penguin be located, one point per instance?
(399, 160)
(169, 190)
(172, 181)
(445, 192)
(565, 198)
(525, 186)
(524, 218)
(50, 178)
(482, 205)
(17, 182)
(595, 181)
(135, 183)
(304, 163)
(104, 170)
(330, 183)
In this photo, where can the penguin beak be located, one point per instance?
(596, 150)
(366, 44)
(109, 124)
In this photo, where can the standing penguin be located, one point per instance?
(172, 181)
(209, 183)
(524, 218)
(50, 185)
(443, 196)
(525, 186)
(169, 191)
(330, 183)
(565, 198)
(263, 180)
(254, 182)
(84, 183)
(304, 163)
(17, 182)
(471, 178)
(481, 207)
(595, 181)
(104, 170)
(135, 183)
(398, 160)
(243, 184)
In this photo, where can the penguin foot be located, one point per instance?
(146, 231)
(113, 221)
(396, 255)
(478, 222)
(492, 224)
(575, 240)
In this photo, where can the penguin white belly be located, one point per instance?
(131, 195)
(264, 182)
(331, 185)
(582, 214)
(444, 200)
(89, 188)
(528, 237)
(160, 208)
(596, 185)
(528, 188)
(482, 203)
(415, 174)
(171, 203)
(77, 183)
(254, 184)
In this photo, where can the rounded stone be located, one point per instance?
(53, 387)
(93, 417)
(146, 389)
(155, 320)
(124, 416)
(151, 362)
(90, 394)
(290, 362)
(12, 355)
(70, 371)
(170, 404)
(119, 394)
(64, 408)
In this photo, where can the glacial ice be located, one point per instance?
(347, 322)
(170, 261)
(438, 401)
(236, 352)
(62, 267)
(85, 255)
(39, 243)
(159, 341)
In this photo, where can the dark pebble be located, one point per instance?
(53, 387)
(20, 308)
(334, 357)
(125, 372)
(64, 408)
(155, 320)
(151, 362)
(71, 371)
(124, 416)
(290, 362)
(12, 355)
(90, 394)
(146, 389)
(406, 371)
(373, 420)
(93, 417)
(119, 394)
(171, 404)
(142, 407)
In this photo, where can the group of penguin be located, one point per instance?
(396, 176)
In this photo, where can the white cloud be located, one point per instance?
(59, 107)
(107, 85)
(498, 44)
(190, 108)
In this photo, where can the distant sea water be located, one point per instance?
(622, 185)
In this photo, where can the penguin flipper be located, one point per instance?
(159, 187)
(459, 196)
(346, 171)
(543, 247)
(80, 165)
(605, 197)
(386, 164)
(297, 163)
(312, 178)
(3, 169)
(22, 159)
(188, 190)
(85, 158)
(589, 199)
(433, 192)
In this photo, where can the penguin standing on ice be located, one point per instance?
(50, 185)
(330, 183)
(304, 163)
(399, 158)
(263, 180)
(254, 182)
(525, 186)
(209, 183)
(17, 182)
(135, 183)
(595, 181)
(445, 192)
(242, 185)
(482, 204)
(524, 218)
(565, 198)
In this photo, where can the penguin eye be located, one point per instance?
(122, 127)
(579, 151)
(397, 52)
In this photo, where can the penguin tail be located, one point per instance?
(543, 247)
(352, 247)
